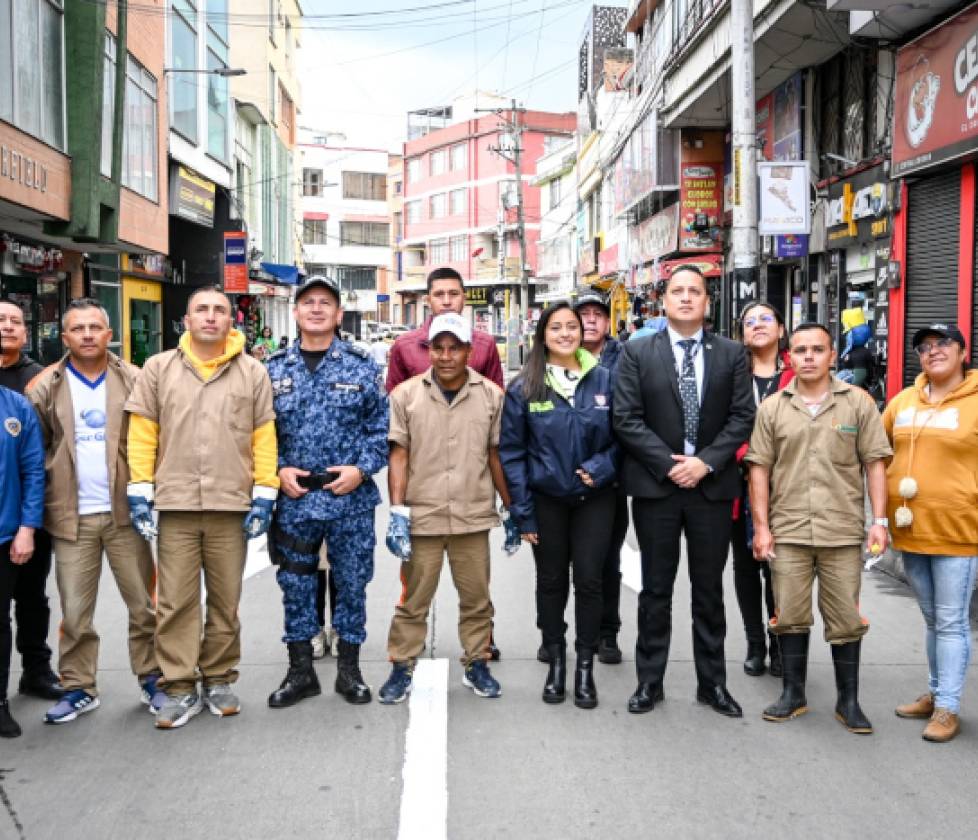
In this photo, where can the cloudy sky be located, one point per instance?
(365, 63)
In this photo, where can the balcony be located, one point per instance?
(487, 269)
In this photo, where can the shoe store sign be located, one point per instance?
(783, 197)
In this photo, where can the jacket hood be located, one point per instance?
(966, 389)
(233, 346)
(22, 362)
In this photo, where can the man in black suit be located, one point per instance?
(682, 406)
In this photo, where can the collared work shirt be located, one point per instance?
(449, 489)
(816, 463)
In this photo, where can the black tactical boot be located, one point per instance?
(8, 726)
(847, 712)
(349, 680)
(300, 680)
(775, 667)
(585, 694)
(794, 656)
(554, 690)
(756, 650)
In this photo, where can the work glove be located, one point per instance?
(259, 518)
(399, 532)
(513, 538)
(140, 497)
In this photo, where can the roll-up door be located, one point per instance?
(932, 259)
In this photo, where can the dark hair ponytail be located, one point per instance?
(533, 377)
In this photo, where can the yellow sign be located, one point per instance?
(848, 197)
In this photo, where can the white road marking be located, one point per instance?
(631, 568)
(424, 798)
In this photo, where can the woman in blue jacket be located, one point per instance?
(560, 460)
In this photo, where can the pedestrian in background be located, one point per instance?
(933, 517)
(763, 334)
(561, 462)
(31, 610)
(813, 444)
(443, 477)
(331, 417)
(80, 404)
(21, 514)
(202, 451)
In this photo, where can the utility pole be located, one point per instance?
(744, 242)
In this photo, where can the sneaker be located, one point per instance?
(398, 685)
(478, 678)
(151, 694)
(74, 703)
(177, 710)
(334, 643)
(221, 700)
(320, 644)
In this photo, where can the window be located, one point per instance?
(458, 157)
(183, 86)
(457, 200)
(438, 205)
(108, 103)
(217, 18)
(353, 277)
(287, 113)
(272, 94)
(414, 170)
(398, 187)
(312, 182)
(274, 13)
(458, 248)
(314, 231)
(110, 296)
(412, 212)
(437, 251)
(437, 162)
(371, 186)
(217, 109)
(139, 151)
(398, 230)
(554, 193)
(365, 234)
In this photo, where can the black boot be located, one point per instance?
(585, 693)
(775, 668)
(8, 726)
(41, 682)
(543, 654)
(794, 655)
(754, 662)
(349, 680)
(300, 680)
(847, 712)
(554, 690)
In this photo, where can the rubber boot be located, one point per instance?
(847, 712)
(794, 656)
(349, 680)
(756, 651)
(555, 689)
(775, 667)
(585, 693)
(8, 726)
(300, 680)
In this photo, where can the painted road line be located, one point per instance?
(424, 798)
(631, 568)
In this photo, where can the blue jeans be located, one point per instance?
(943, 587)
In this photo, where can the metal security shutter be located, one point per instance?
(932, 259)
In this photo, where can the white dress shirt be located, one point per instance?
(679, 354)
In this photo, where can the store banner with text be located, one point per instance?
(236, 262)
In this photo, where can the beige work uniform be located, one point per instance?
(79, 541)
(204, 477)
(452, 500)
(817, 503)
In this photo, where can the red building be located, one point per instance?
(455, 187)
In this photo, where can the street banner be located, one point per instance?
(783, 193)
(236, 262)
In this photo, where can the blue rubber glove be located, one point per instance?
(259, 518)
(513, 537)
(140, 498)
(399, 533)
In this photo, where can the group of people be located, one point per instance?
(761, 450)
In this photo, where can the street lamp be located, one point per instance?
(223, 72)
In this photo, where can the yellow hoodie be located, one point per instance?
(945, 467)
(144, 434)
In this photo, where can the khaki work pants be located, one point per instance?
(191, 541)
(468, 558)
(839, 572)
(78, 568)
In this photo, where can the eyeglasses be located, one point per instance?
(754, 320)
(925, 347)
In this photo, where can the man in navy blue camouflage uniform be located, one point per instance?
(331, 422)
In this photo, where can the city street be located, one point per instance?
(451, 765)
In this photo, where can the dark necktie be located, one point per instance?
(687, 390)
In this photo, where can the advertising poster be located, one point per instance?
(783, 198)
(236, 262)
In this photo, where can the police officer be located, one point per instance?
(332, 432)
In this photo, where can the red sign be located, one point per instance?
(700, 206)
(935, 117)
(236, 262)
(608, 261)
(710, 265)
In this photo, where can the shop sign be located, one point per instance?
(587, 259)
(23, 170)
(791, 246)
(145, 263)
(881, 311)
(858, 209)
(192, 197)
(783, 192)
(258, 289)
(608, 260)
(935, 116)
(475, 296)
(700, 197)
(236, 262)
(710, 265)
(31, 257)
(656, 236)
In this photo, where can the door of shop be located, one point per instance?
(934, 208)
(142, 329)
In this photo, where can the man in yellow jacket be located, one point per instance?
(202, 450)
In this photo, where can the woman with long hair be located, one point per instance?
(763, 334)
(561, 461)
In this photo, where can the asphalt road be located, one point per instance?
(452, 765)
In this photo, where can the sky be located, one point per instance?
(365, 64)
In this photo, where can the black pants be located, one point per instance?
(611, 573)
(659, 525)
(750, 578)
(573, 536)
(325, 583)
(31, 610)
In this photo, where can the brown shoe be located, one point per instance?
(922, 707)
(943, 726)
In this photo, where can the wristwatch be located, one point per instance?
(363, 475)
(882, 521)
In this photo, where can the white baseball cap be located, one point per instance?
(450, 322)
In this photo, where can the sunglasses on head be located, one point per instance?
(926, 346)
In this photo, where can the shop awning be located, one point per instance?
(283, 273)
(313, 216)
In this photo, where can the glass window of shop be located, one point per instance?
(183, 86)
(42, 299)
(109, 294)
